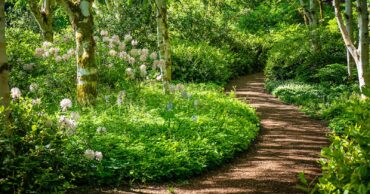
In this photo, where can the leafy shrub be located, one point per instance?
(201, 63)
(32, 154)
(332, 74)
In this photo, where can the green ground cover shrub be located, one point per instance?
(346, 162)
(135, 133)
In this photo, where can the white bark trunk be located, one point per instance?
(349, 28)
(4, 67)
(43, 15)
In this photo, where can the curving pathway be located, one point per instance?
(289, 143)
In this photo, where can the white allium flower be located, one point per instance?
(47, 44)
(39, 52)
(28, 67)
(36, 101)
(143, 57)
(75, 116)
(113, 53)
(128, 38)
(98, 156)
(52, 50)
(122, 55)
(89, 154)
(58, 59)
(15, 93)
(115, 38)
(104, 33)
(106, 39)
(101, 130)
(145, 51)
(143, 70)
(131, 60)
(154, 55)
(46, 54)
(130, 73)
(96, 38)
(159, 78)
(122, 46)
(134, 42)
(65, 57)
(65, 104)
(120, 97)
(161, 64)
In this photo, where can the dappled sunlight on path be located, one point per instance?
(289, 143)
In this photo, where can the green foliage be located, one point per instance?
(332, 74)
(32, 154)
(346, 163)
(201, 63)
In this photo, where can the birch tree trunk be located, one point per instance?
(314, 25)
(164, 41)
(360, 55)
(43, 15)
(363, 46)
(4, 67)
(80, 14)
(349, 27)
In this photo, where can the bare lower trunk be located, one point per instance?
(83, 25)
(314, 25)
(363, 46)
(360, 55)
(4, 67)
(43, 15)
(349, 27)
(321, 9)
(163, 41)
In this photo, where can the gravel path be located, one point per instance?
(289, 143)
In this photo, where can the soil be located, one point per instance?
(289, 142)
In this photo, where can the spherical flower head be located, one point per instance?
(128, 38)
(131, 60)
(143, 70)
(28, 67)
(134, 42)
(115, 39)
(65, 57)
(98, 156)
(15, 93)
(129, 72)
(154, 56)
(134, 52)
(65, 104)
(122, 46)
(46, 54)
(106, 39)
(96, 38)
(122, 55)
(104, 33)
(33, 87)
(113, 53)
(143, 57)
(58, 59)
(47, 44)
(71, 52)
(159, 78)
(172, 88)
(145, 51)
(39, 52)
(161, 64)
(89, 154)
(36, 101)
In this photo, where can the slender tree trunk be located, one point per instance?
(164, 41)
(360, 55)
(363, 46)
(349, 27)
(321, 9)
(4, 67)
(81, 17)
(43, 15)
(314, 25)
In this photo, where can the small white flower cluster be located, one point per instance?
(137, 58)
(33, 87)
(15, 93)
(121, 96)
(69, 123)
(101, 130)
(28, 67)
(48, 51)
(91, 155)
(65, 104)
